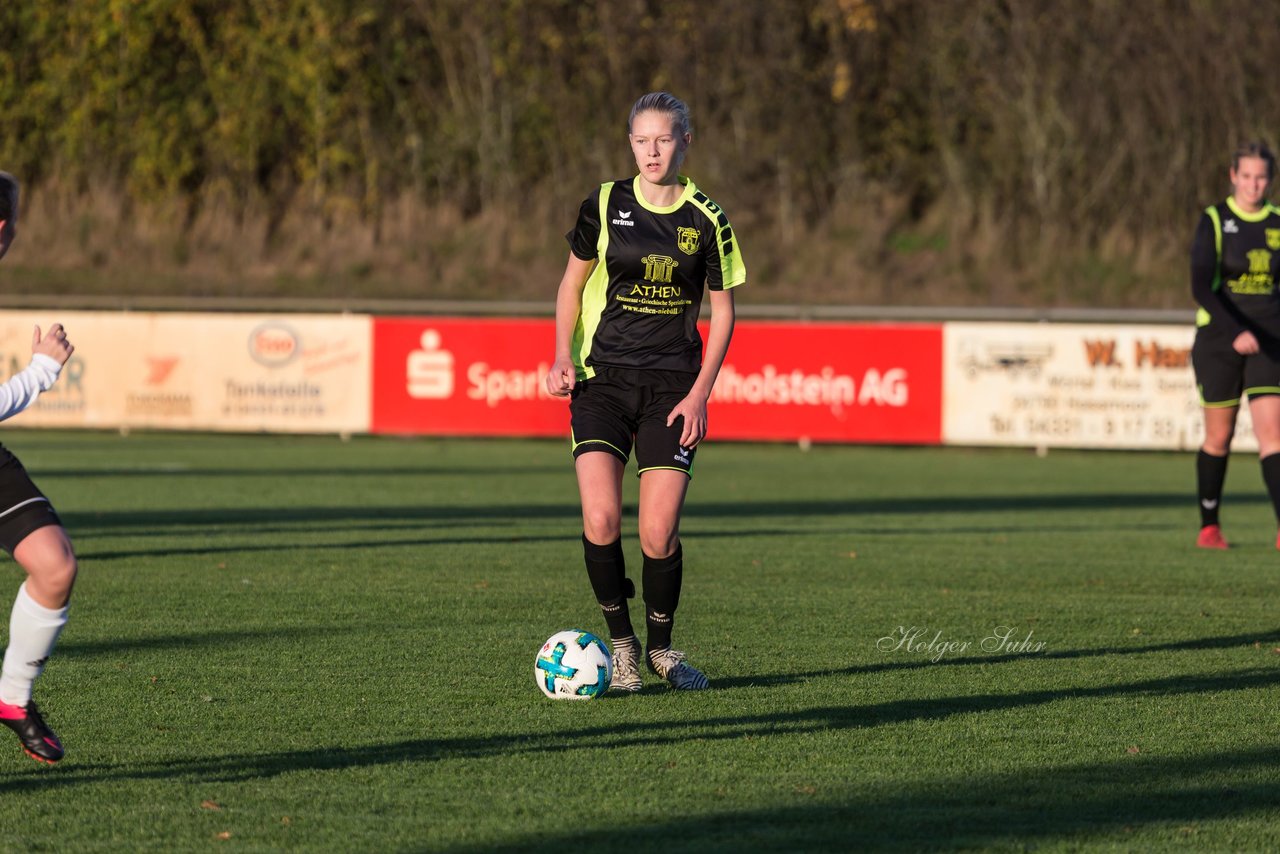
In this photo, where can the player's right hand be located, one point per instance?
(54, 345)
(560, 378)
(1246, 343)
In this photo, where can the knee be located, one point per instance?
(601, 527)
(50, 565)
(1217, 442)
(56, 576)
(659, 541)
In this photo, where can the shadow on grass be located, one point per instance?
(291, 472)
(1266, 638)
(246, 767)
(113, 646)
(1071, 803)
(242, 547)
(153, 519)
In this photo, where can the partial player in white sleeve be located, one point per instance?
(31, 531)
(48, 354)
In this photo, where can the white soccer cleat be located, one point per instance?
(671, 666)
(626, 666)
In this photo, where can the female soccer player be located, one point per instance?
(629, 354)
(31, 531)
(1235, 264)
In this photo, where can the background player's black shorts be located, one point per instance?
(1223, 375)
(619, 406)
(23, 508)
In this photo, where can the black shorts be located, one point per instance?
(23, 508)
(619, 407)
(1223, 375)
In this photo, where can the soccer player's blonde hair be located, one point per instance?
(663, 102)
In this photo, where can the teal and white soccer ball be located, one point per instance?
(573, 665)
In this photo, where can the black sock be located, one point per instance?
(1271, 476)
(1211, 471)
(662, 578)
(607, 569)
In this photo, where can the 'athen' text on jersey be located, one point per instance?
(640, 305)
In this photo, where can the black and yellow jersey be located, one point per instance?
(1235, 267)
(640, 304)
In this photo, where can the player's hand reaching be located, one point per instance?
(561, 377)
(54, 345)
(693, 409)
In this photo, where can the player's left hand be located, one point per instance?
(54, 345)
(693, 409)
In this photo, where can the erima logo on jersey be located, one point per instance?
(624, 218)
(1230, 227)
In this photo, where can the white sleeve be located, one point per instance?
(24, 387)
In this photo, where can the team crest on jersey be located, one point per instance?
(687, 239)
(1273, 239)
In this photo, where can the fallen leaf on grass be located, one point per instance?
(1133, 749)
(226, 834)
(210, 805)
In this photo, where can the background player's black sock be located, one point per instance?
(1271, 476)
(662, 578)
(607, 569)
(1211, 472)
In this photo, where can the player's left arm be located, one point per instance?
(48, 354)
(694, 407)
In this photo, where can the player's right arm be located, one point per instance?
(1206, 284)
(48, 354)
(562, 375)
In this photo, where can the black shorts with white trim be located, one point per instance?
(620, 408)
(23, 507)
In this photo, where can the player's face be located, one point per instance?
(1249, 180)
(657, 149)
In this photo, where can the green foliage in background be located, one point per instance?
(1015, 128)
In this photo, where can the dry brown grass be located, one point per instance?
(866, 251)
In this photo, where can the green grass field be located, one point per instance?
(301, 643)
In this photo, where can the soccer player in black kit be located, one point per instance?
(629, 355)
(1235, 265)
(31, 531)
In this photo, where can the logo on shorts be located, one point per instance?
(682, 456)
(687, 240)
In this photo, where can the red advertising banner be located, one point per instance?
(782, 381)
(831, 382)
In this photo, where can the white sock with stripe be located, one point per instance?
(33, 630)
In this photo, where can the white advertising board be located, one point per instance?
(1073, 385)
(242, 372)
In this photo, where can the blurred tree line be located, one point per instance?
(869, 151)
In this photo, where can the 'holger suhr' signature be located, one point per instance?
(1003, 640)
